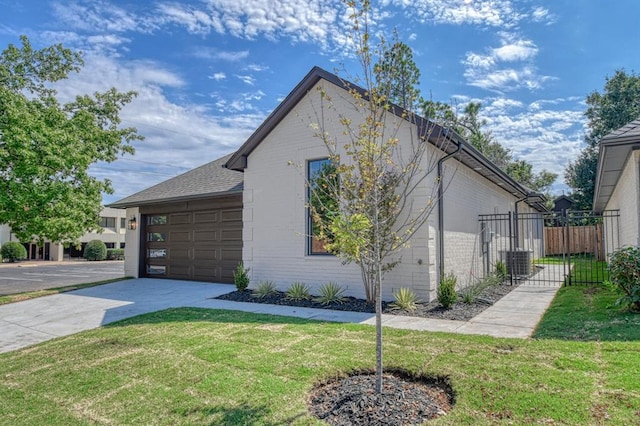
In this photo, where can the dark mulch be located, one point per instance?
(459, 311)
(405, 399)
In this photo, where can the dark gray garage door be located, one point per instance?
(200, 241)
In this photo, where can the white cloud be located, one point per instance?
(505, 68)
(246, 79)
(296, 19)
(492, 13)
(218, 76)
(549, 136)
(179, 135)
(256, 67)
(223, 55)
(98, 16)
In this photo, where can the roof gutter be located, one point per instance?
(441, 208)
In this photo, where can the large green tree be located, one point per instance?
(46, 147)
(617, 105)
(398, 75)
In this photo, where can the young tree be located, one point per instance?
(47, 147)
(363, 204)
(619, 104)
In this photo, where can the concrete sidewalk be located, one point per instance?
(33, 321)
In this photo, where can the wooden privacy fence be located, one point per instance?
(574, 240)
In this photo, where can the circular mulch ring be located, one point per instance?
(406, 399)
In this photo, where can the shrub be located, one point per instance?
(298, 291)
(501, 270)
(241, 277)
(470, 293)
(406, 299)
(264, 289)
(447, 295)
(624, 276)
(115, 254)
(330, 293)
(12, 251)
(95, 250)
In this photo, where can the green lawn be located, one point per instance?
(19, 297)
(585, 269)
(588, 313)
(203, 367)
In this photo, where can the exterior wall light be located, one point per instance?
(133, 223)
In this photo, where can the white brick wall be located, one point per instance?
(132, 247)
(467, 196)
(275, 216)
(626, 198)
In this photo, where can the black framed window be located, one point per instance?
(319, 175)
(107, 222)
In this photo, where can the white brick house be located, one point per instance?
(276, 245)
(271, 235)
(617, 185)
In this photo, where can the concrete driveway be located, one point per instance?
(37, 320)
(39, 275)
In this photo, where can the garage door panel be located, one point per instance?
(206, 273)
(180, 218)
(206, 254)
(203, 236)
(205, 217)
(179, 236)
(202, 245)
(231, 234)
(231, 215)
(231, 254)
(179, 253)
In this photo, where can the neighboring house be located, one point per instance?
(112, 221)
(255, 208)
(562, 204)
(617, 185)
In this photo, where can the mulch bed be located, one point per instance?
(459, 311)
(404, 400)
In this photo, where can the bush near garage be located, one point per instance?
(95, 250)
(12, 251)
(115, 254)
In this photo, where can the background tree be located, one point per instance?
(374, 176)
(619, 104)
(398, 75)
(472, 129)
(47, 147)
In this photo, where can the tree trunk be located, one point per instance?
(378, 333)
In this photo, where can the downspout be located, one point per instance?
(517, 228)
(441, 209)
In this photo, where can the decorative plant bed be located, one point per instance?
(405, 399)
(460, 311)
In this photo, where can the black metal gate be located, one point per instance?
(550, 248)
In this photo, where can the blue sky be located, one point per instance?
(209, 71)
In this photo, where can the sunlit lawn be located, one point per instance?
(202, 367)
(19, 297)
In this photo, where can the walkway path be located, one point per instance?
(33, 321)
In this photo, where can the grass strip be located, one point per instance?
(19, 297)
(192, 366)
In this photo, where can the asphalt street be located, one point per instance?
(30, 276)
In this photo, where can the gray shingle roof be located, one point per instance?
(631, 130)
(209, 180)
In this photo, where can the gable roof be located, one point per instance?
(468, 155)
(209, 180)
(613, 153)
